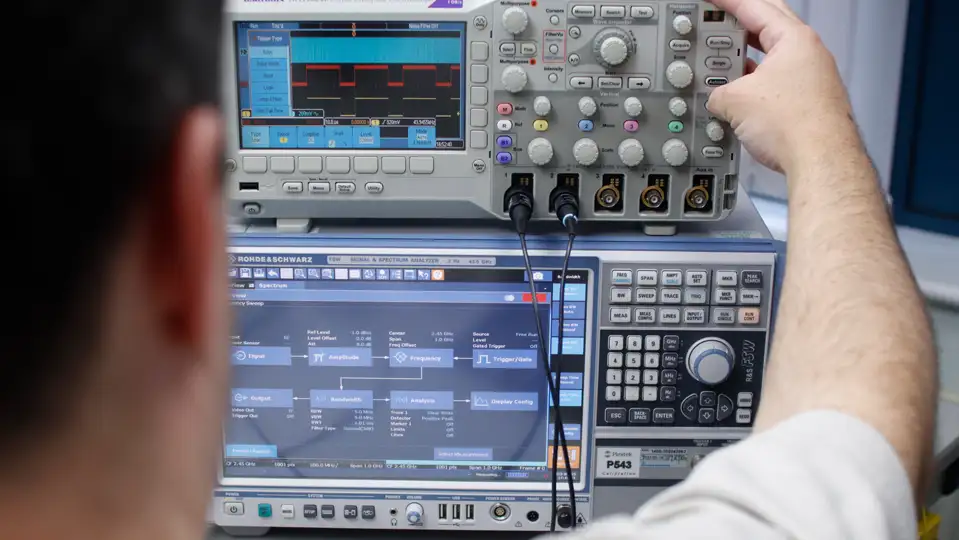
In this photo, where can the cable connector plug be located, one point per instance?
(519, 206)
(565, 204)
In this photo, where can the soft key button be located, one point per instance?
(254, 164)
(311, 164)
(394, 165)
(366, 165)
(612, 12)
(284, 164)
(479, 50)
(479, 118)
(421, 165)
(338, 165)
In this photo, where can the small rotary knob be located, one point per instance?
(678, 107)
(715, 131)
(587, 106)
(633, 106)
(683, 25)
(631, 152)
(515, 20)
(514, 79)
(710, 361)
(675, 152)
(542, 105)
(414, 514)
(612, 47)
(679, 74)
(586, 152)
(540, 151)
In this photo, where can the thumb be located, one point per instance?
(722, 102)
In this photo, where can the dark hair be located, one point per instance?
(96, 91)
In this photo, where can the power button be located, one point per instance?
(233, 508)
(251, 209)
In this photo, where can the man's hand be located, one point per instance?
(785, 108)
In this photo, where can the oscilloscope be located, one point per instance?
(433, 109)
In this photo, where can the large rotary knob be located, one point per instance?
(715, 131)
(414, 514)
(679, 74)
(710, 361)
(540, 151)
(586, 152)
(675, 152)
(631, 152)
(612, 47)
(515, 20)
(514, 79)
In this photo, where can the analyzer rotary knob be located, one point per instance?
(540, 151)
(675, 152)
(633, 106)
(514, 79)
(715, 131)
(683, 25)
(631, 152)
(414, 514)
(679, 74)
(710, 361)
(515, 20)
(587, 106)
(542, 106)
(586, 152)
(678, 107)
(612, 47)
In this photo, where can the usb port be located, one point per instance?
(249, 186)
(469, 512)
(456, 512)
(442, 512)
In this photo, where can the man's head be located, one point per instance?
(112, 374)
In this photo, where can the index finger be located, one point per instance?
(759, 17)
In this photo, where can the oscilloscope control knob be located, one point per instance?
(515, 20)
(542, 106)
(587, 106)
(514, 79)
(631, 152)
(586, 152)
(414, 514)
(633, 106)
(540, 151)
(612, 47)
(675, 152)
(710, 361)
(678, 107)
(683, 25)
(715, 131)
(679, 74)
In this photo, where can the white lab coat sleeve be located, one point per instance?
(819, 476)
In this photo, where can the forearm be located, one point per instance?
(853, 335)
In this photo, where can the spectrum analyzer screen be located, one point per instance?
(363, 85)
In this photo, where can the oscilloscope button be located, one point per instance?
(479, 50)
(282, 164)
(338, 165)
(421, 165)
(394, 164)
(254, 164)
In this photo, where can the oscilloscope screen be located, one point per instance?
(369, 85)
